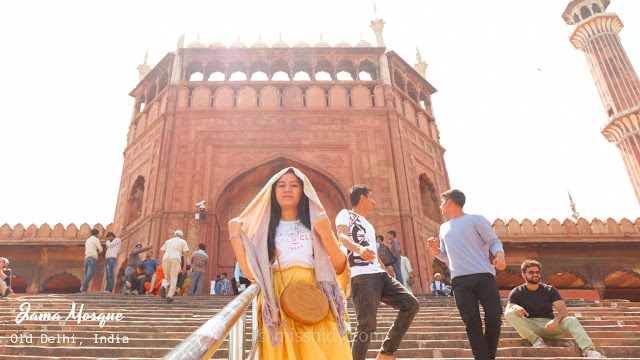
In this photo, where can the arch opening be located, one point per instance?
(63, 283)
(135, 200)
(244, 187)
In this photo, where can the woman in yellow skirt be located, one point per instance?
(285, 237)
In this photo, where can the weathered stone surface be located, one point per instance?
(541, 227)
(31, 232)
(58, 231)
(556, 228)
(18, 232)
(70, 232)
(269, 97)
(5, 232)
(315, 97)
(44, 231)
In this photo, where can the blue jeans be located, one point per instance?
(89, 269)
(109, 268)
(398, 270)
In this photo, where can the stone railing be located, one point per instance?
(568, 228)
(33, 232)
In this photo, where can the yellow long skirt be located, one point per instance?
(320, 341)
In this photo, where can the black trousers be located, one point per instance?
(468, 291)
(368, 290)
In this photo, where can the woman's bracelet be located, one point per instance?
(234, 236)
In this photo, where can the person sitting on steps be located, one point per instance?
(530, 311)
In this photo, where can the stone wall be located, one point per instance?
(45, 259)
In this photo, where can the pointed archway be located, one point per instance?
(242, 188)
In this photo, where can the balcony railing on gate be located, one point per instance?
(231, 320)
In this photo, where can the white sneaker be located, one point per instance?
(540, 344)
(594, 354)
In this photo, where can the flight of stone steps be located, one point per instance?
(152, 328)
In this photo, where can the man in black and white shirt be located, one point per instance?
(370, 282)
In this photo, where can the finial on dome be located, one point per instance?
(575, 214)
(144, 69)
(418, 56)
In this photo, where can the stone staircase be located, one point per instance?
(152, 327)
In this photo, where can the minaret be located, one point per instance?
(596, 34)
(144, 69)
(377, 25)
(420, 66)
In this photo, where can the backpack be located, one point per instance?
(385, 255)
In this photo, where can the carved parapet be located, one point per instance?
(44, 234)
(555, 230)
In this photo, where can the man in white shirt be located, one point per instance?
(91, 249)
(407, 271)
(173, 249)
(370, 282)
(5, 278)
(439, 287)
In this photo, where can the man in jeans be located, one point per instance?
(92, 248)
(465, 241)
(370, 283)
(199, 261)
(394, 245)
(111, 259)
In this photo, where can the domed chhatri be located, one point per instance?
(322, 43)
(259, 44)
(301, 44)
(343, 44)
(217, 45)
(363, 43)
(238, 44)
(280, 43)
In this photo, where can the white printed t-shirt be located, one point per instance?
(294, 243)
(361, 232)
(173, 248)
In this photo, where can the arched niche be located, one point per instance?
(622, 284)
(136, 195)
(565, 279)
(429, 198)
(18, 284)
(63, 283)
(242, 188)
(508, 279)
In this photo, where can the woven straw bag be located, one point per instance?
(303, 302)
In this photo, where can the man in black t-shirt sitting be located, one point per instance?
(530, 311)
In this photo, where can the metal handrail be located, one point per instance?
(231, 319)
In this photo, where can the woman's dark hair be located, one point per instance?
(276, 212)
